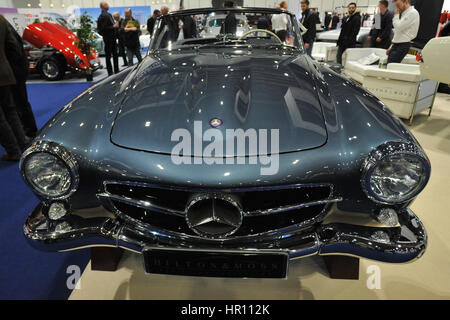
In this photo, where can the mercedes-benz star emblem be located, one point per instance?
(215, 122)
(213, 216)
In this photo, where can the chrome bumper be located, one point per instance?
(396, 245)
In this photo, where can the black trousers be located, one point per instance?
(341, 50)
(122, 52)
(282, 35)
(382, 45)
(133, 52)
(23, 107)
(12, 136)
(398, 52)
(111, 51)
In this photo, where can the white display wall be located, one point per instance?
(446, 5)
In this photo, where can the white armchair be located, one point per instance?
(400, 86)
(324, 51)
(356, 70)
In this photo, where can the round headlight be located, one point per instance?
(50, 170)
(395, 173)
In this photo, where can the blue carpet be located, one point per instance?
(26, 273)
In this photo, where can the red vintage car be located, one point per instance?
(52, 51)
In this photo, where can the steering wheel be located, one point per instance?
(260, 30)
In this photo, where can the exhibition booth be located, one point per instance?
(216, 151)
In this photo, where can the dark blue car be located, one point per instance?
(227, 155)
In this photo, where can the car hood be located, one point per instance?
(257, 92)
(54, 35)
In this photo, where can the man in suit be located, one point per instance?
(168, 30)
(189, 26)
(381, 38)
(12, 136)
(229, 26)
(351, 25)
(18, 61)
(151, 21)
(327, 21)
(120, 38)
(309, 20)
(108, 28)
(334, 21)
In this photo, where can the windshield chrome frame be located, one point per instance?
(295, 26)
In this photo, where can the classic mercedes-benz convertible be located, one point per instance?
(227, 156)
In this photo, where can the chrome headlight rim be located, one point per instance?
(60, 152)
(384, 151)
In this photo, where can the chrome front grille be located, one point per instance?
(266, 210)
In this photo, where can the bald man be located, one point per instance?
(131, 31)
(108, 28)
(164, 10)
(121, 44)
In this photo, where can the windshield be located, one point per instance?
(223, 27)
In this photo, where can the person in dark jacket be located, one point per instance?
(381, 38)
(309, 21)
(132, 29)
(334, 21)
(263, 22)
(189, 26)
(151, 21)
(229, 26)
(327, 21)
(18, 60)
(12, 136)
(351, 25)
(131, 32)
(168, 30)
(108, 28)
(122, 52)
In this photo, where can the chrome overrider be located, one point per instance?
(402, 243)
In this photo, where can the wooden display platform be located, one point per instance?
(105, 258)
(342, 267)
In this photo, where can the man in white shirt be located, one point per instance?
(280, 22)
(406, 26)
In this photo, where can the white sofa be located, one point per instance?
(324, 51)
(400, 86)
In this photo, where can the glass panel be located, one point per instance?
(226, 27)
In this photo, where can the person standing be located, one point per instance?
(280, 22)
(263, 22)
(327, 21)
(309, 20)
(108, 27)
(18, 61)
(406, 25)
(334, 21)
(151, 21)
(168, 30)
(381, 38)
(122, 53)
(351, 25)
(229, 26)
(12, 136)
(132, 30)
(189, 26)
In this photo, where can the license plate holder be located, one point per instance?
(227, 264)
